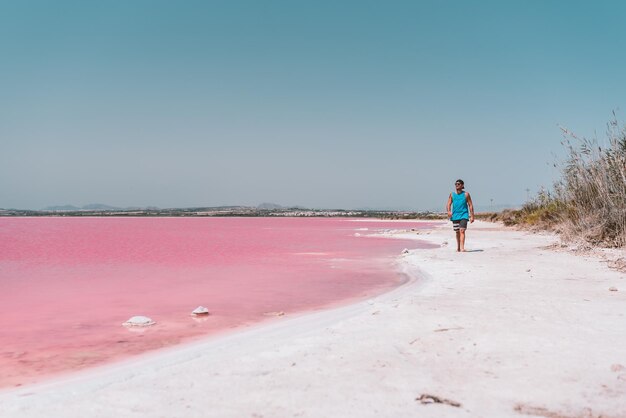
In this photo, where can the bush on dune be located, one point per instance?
(593, 188)
(589, 202)
(543, 212)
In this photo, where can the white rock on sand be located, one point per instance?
(199, 311)
(139, 321)
(475, 335)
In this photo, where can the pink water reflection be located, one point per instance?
(67, 284)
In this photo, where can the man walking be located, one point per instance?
(460, 210)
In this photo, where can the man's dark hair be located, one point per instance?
(460, 181)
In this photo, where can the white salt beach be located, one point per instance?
(511, 328)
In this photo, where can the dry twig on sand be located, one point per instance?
(428, 399)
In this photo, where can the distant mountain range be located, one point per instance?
(95, 206)
(102, 206)
(62, 207)
(262, 206)
(269, 206)
(275, 206)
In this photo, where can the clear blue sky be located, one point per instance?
(315, 103)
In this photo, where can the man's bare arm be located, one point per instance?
(470, 205)
(449, 206)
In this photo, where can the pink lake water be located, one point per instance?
(67, 284)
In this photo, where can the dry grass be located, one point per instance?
(589, 202)
(594, 189)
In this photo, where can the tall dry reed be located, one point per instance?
(590, 198)
(588, 203)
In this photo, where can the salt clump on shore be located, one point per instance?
(200, 310)
(139, 321)
(279, 313)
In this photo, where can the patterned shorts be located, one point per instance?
(459, 224)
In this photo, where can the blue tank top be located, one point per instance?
(459, 206)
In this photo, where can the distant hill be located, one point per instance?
(61, 207)
(269, 206)
(141, 208)
(276, 206)
(99, 206)
(96, 206)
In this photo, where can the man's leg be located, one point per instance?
(461, 239)
(456, 225)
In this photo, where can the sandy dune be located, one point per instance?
(510, 329)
